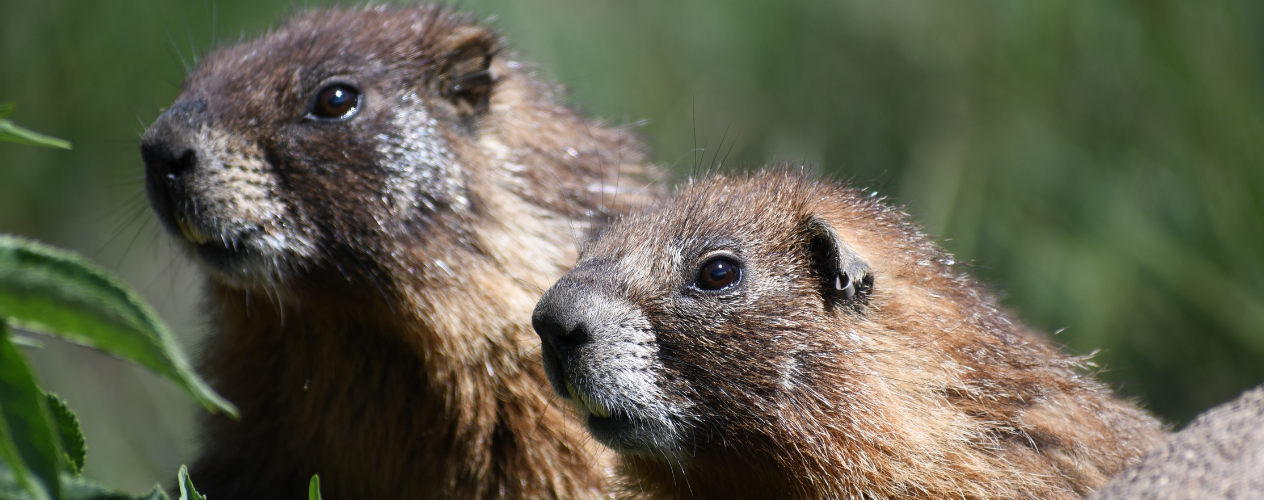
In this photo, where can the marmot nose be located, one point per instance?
(165, 161)
(560, 327)
(165, 166)
(167, 146)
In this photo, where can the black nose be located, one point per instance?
(167, 148)
(165, 161)
(561, 325)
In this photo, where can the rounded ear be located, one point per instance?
(463, 67)
(846, 280)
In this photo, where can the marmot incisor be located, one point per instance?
(771, 337)
(379, 195)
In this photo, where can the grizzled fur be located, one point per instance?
(371, 277)
(1219, 455)
(851, 359)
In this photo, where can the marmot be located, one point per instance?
(379, 196)
(772, 337)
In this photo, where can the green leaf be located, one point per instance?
(79, 488)
(24, 341)
(156, 494)
(11, 487)
(27, 441)
(72, 444)
(6, 109)
(56, 292)
(11, 132)
(313, 488)
(187, 492)
(72, 488)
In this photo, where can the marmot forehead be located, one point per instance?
(763, 214)
(717, 207)
(268, 77)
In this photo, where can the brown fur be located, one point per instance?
(917, 386)
(371, 278)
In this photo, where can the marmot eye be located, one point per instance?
(718, 274)
(336, 102)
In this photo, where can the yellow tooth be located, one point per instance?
(191, 233)
(598, 409)
(576, 398)
(585, 404)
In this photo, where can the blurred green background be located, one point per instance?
(1100, 163)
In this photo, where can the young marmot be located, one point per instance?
(379, 195)
(771, 337)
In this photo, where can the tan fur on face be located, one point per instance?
(386, 345)
(922, 387)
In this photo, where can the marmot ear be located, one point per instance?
(846, 280)
(463, 72)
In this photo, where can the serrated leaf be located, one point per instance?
(27, 440)
(56, 292)
(73, 446)
(313, 488)
(187, 491)
(11, 132)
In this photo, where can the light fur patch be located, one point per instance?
(424, 173)
(234, 200)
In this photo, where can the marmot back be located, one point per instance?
(772, 337)
(378, 196)
(1220, 455)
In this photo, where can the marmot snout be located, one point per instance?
(771, 337)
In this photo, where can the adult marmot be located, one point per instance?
(770, 337)
(378, 196)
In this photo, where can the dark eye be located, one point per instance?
(718, 274)
(336, 102)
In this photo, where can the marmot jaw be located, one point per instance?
(237, 251)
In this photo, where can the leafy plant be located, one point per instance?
(48, 290)
(43, 289)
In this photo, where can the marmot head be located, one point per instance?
(771, 335)
(683, 327)
(335, 137)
